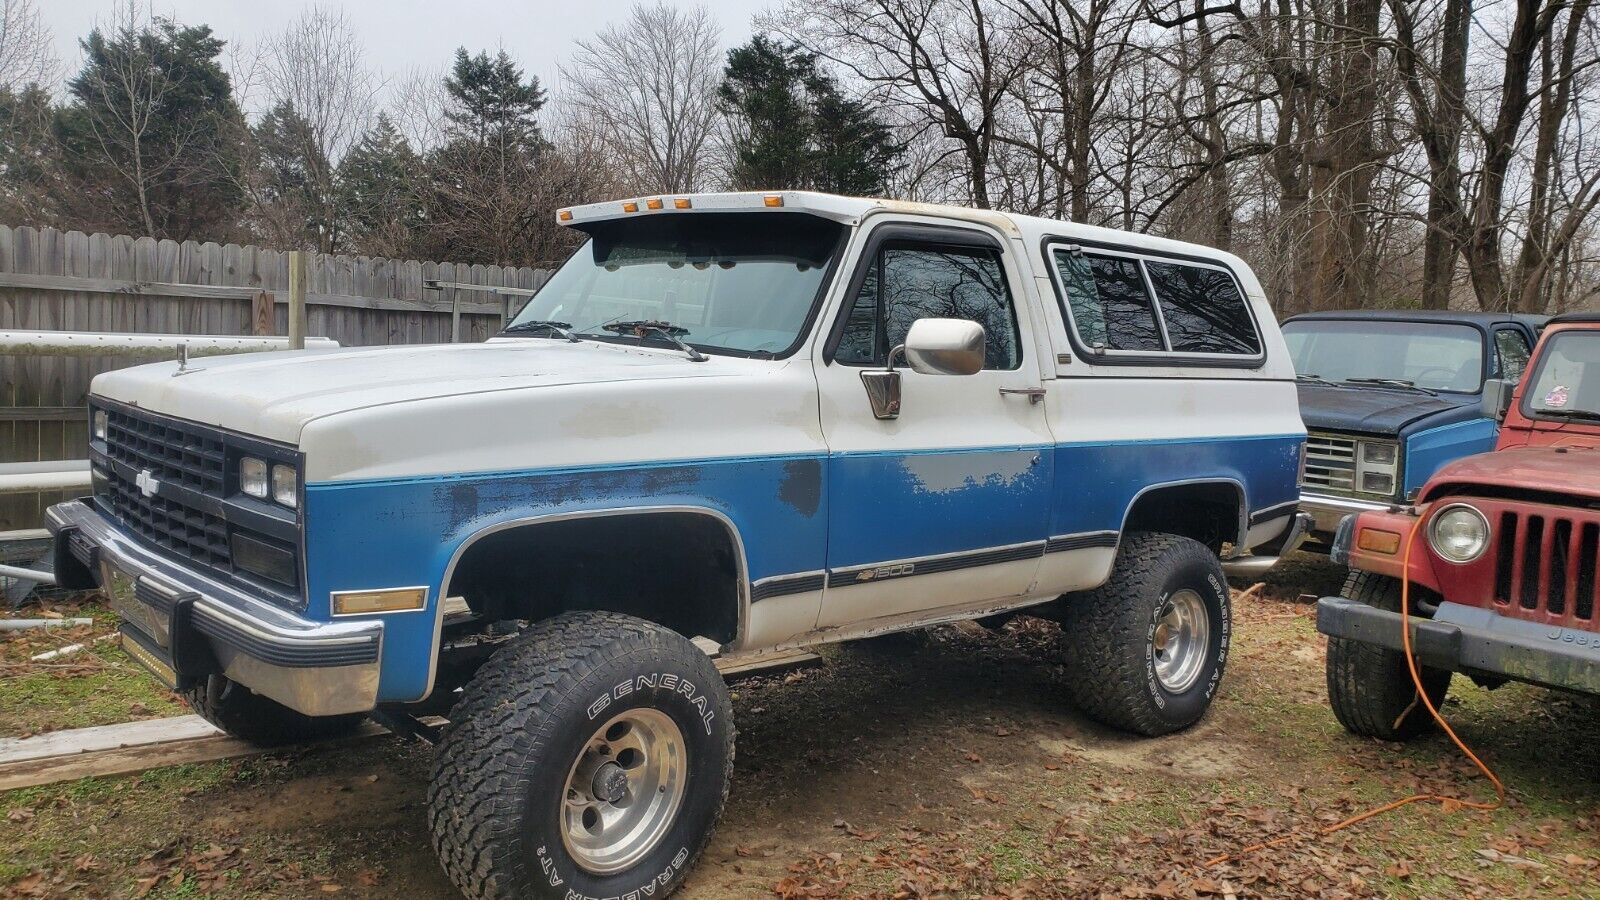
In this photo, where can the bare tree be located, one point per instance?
(949, 63)
(25, 54)
(648, 88)
(316, 67)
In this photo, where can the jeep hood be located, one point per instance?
(1369, 409)
(1562, 470)
(274, 395)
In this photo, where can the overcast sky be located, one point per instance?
(402, 34)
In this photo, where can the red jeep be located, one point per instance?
(1502, 566)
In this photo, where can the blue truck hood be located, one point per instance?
(1379, 410)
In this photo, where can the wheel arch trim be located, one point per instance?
(741, 576)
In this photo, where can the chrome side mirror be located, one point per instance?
(1496, 398)
(945, 347)
(932, 347)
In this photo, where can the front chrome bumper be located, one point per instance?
(183, 624)
(1327, 512)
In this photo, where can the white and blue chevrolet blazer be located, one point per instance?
(736, 421)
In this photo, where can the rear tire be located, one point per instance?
(260, 720)
(1370, 687)
(1146, 650)
(589, 757)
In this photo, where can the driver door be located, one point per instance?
(946, 504)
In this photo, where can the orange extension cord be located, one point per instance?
(1449, 803)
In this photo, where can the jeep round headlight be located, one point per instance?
(1459, 533)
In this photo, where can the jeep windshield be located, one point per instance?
(1566, 383)
(739, 283)
(1435, 356)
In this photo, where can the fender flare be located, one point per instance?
(741, 577)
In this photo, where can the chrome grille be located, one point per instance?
(1330, 463)
(179, 454)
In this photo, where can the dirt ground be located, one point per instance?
(944, 765)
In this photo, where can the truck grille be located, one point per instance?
(180, 454)
(1545, 563)
(1330, 464)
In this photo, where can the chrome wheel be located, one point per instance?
(624, 790)
(1181, 639)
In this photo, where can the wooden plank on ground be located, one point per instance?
(127, 748)
(156, 743)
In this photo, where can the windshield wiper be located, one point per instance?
(557, 329)
(668, 332)
(1393, 382)
(1588, 415)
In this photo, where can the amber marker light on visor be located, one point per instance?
(357, 603)
(772, 200)
(630, 206)
(565, 215)
(653, 203)
(682, 203)
(1378, 541)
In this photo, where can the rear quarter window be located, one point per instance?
(1130, 305)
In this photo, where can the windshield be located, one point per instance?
(1567, 379)
(1436, 356)
(739, 282)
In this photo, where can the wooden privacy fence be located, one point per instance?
(70, 281)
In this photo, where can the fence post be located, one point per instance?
(455, 314)
(263, 320)
(299, 274)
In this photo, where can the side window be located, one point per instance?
(907, 282)
(1512, 347)
(1110, 306)
(1203, 309)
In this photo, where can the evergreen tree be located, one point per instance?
(380, 191)
(491, 104)
(151, 136)
(289, 168)
(795, 129)
(28, 157)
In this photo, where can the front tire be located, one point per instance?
(1370, 687)
(589, 757)
(1146, 650)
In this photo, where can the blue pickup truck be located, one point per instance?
(1389, 396)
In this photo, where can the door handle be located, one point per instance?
(1034, 395)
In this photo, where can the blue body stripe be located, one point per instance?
(795, 514)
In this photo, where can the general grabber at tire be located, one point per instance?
(260, 720)
(589, 757)
(1146, 650)
(1370, 687)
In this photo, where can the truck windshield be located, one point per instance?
(1436, 356)
(744, 283)
(1567, 380)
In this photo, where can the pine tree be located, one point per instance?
(289, 169)
(795, 129)
(492, 105)
(152, 133)
(380, 194)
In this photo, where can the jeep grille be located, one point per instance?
(1546, 564)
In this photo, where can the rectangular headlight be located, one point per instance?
(286, 485)
(100, 426)
(253, 477)
(1377, 467)
(267, 560)
(355, 603)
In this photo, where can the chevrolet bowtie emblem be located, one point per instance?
(147, 483)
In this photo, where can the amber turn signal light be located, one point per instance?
(360, 603)
(1378, 541)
